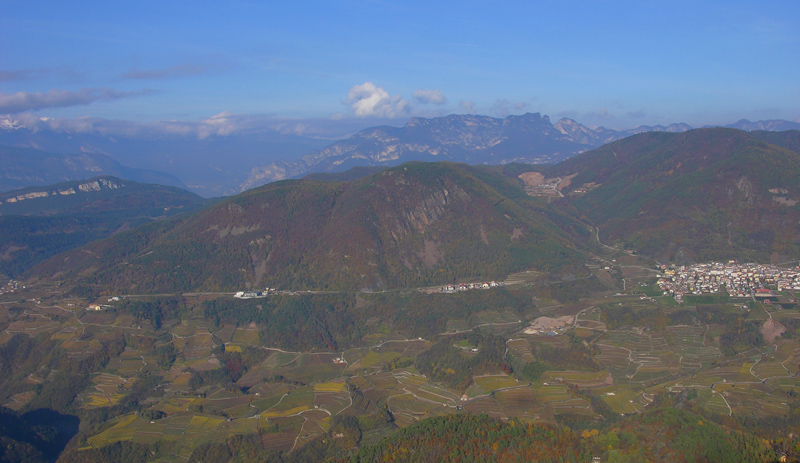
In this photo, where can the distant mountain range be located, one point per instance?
(209, 166)
(769, 126)
(530, 138)
(24, 167)
(227, 164)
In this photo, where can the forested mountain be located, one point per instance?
(687, 196)
(659, 435)
(417, 224)
(699, 195)
(39, 222)
(789, 139)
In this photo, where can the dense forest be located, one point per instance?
(664, 435)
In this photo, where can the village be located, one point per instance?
(739, 280)
(467, 286)
(254, 294)
(10, 287)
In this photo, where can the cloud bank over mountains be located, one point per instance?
(368, 99)
(18, 102)
(368, 104)
(225, 123)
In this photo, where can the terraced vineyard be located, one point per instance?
(198, 381)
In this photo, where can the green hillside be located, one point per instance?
(699, 195)
(789, 139)
(417, 224)
(664, 435)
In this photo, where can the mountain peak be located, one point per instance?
(768, 125)
(411, 225)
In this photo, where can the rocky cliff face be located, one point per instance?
(84, 187)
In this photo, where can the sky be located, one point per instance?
(328, 68)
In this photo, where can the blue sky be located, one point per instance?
(321, 67)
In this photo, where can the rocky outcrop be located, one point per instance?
(93, 185)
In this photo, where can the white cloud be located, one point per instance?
(219, 124)
(429, 96)
(369, 100)
(18, 102)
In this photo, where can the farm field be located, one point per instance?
(198, 381)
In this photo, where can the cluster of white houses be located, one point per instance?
(253, 294)
(10, 287)
(466, 286)
(740, 280)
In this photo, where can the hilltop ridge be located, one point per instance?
(411, 225)
(699, 195)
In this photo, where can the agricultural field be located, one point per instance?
(521, 349)
(108, 390)
(206, 381)
(492, 383)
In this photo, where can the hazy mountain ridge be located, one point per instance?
(212, 165)
(39, 222)
(215, 164)
(530, 138)
(774, 125)
(458, 138)
(24, 167)
(601, 135)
